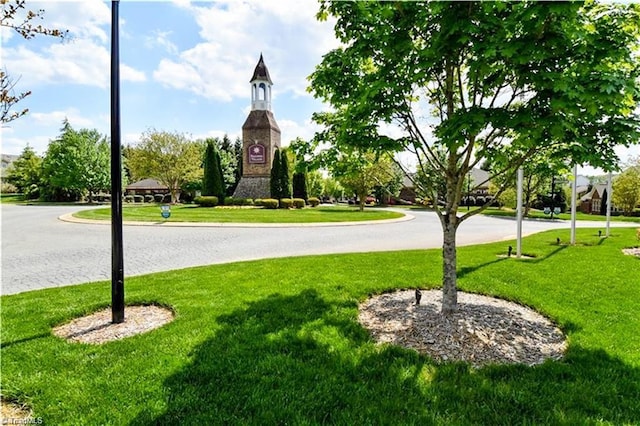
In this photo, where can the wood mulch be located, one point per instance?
(483, 331)
(633, 251)
(97, 328)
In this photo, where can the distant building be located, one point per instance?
(146, 187)
(592, 201)
(478, 188)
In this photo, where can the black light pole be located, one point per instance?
(117, 262)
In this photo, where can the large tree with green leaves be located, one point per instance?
(78, 161)
(275, 183)
(171, 158)
(213, 179)
(626, 188)
(25, 173)
(481, 80)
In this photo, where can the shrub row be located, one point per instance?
(268, 203)
(157, 198)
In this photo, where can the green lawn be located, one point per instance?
(538, 214)
(11, 198)
(191, 213)
(278, 342)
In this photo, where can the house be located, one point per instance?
(594, 201)
(478, 188)
(146, 187)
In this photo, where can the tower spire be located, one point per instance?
(261, 87)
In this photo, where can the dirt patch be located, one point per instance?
(97, 328)
(14, 413)
(632, 251)
(485, 330)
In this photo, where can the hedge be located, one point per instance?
(269, 203)
(206, 201)
(313, 201)
(286, 203)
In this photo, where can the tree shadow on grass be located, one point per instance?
(302, 360)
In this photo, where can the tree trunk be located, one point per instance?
(449, 265)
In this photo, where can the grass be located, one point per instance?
(277, 341)
(11, 198)
(538, 214)
(191, 213)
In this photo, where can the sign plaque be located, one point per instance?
(256, 154)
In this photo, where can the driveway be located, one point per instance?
(41, 251)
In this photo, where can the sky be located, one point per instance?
(184, 67)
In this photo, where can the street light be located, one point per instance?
(117, 258)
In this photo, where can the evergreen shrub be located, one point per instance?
(269, 203)
(286, 203)
(206, 201)
(313, 201)
(298, 203)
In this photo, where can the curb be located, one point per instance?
(71, 219)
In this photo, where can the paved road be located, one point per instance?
(40, 251)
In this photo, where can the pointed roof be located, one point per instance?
(261, 72)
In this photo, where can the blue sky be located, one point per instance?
(185, 66)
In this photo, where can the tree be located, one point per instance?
(171, 158)
(359, 171)
(285, 181)
(77, 162)
(25, 27)
(502, 81)
(299, 185)
(213, 182)
(237, 154)
(275, 183)
(25, 173)
(626, 188)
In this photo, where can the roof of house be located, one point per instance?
(261, 72)
(147, 184)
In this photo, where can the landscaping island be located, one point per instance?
(192, 213)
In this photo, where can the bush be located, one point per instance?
(166, 198)
(269, 203)
(246, 202)
(128, 199)
(148, 199)
(257, 202)
(313, 201)
(286, 203)
(138, 199)
(206, 201)
(298, 203)
(158, 198)
(229, 201)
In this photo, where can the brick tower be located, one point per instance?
(260, 138)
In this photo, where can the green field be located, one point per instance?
(191, 213)
(278, 342)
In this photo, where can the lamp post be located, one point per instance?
(117, 261)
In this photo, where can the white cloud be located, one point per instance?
(84, 19)
(234, 33)
(55, 118)
(161, 39)
(291, 130)
(79, 62)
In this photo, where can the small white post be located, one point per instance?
(609, 196)
(574, 203)
(519, 212)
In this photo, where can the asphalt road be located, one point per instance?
(41, 251)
